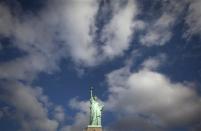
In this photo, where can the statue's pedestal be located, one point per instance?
(91, 128)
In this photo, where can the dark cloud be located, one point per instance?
(193, 18)
(134, 123)
(31, 112)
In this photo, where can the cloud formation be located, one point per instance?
(72, 25)
(193, 18)
(66, 29)
(154, 96)
(81, 118)
(81, 30)
(154, 62)
(61, 29)
(116, 38)
(59, 113)
(159, 30)
(78, 19)
(31, 112)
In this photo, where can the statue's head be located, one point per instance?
(95, 98)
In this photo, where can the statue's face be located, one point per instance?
(95, 98)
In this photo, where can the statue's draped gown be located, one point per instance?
(95, 112)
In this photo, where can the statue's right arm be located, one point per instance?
(91, 99)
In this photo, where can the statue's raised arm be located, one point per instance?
(91, 91)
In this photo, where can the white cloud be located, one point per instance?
(24, 67)
(165, 103)
(59, 113)
(160, 31)
(80, 123)
(193, 18)
(30, 112)
(71, 25)
(154, 62)
(81, 119)
(79, 32)
(79, 105)
(78, 19)
(117, 33)
(33, 36)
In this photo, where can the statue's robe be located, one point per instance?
(95, 112)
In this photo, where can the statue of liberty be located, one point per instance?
(95, 111)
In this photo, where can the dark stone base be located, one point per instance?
(93, 129)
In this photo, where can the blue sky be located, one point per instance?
(141, 56)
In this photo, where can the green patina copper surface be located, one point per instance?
(95, 111)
